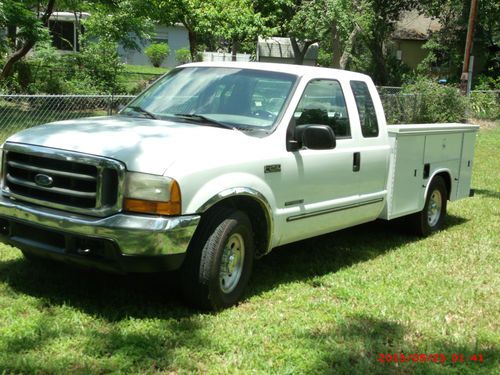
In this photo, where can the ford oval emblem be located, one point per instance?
(43, 180)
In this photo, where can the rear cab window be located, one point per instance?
(366, 109)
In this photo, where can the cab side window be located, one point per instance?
(323, 103)
(366, 109)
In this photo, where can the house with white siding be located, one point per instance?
(66, 30)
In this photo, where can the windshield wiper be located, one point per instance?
(203, 119)
(143, 111)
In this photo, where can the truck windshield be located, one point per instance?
(217, 96)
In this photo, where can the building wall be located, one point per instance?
(176, 37)
(412, 52)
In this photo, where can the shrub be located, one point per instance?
(485, 105)
(157, 53)
(485, 98)
(425, 101)
(183, 56)
(100, 64)
(49, 70)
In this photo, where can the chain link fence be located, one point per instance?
(18, 112)
(389, 90)
(407, 108)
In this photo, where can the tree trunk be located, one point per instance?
(380, 75)
(337, 46)
(27, 46)
(12, 35)
(346, 55)
(300, 54)
(192, 44)
(235, 46)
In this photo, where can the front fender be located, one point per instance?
(236, 185)
(225, 186)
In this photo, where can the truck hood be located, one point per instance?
(145, 145)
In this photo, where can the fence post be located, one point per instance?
(110, 105)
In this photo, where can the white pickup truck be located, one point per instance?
(217, 164)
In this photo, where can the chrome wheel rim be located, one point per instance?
(231, 266)
(434, 208)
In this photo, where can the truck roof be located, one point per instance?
(299, 70)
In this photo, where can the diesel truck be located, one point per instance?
(215, 165)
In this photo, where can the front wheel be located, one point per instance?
(431, 218)
(219, 260)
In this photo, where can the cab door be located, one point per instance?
(319, 189)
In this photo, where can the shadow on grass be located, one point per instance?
(117, 297)
(134, 322)
(356, 346)
(487, 193)
(155, 345)
(331, 252)
(107, 296)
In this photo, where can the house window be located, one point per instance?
(159, 40)
(63, 35)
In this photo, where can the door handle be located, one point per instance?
(356, 162)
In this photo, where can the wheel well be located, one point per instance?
(447, 181)
(257, 215)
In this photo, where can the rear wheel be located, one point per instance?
(219, 260)
(431, 218)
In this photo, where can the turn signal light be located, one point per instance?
(172, 207)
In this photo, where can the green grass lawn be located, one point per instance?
(144, 69)
(135, 78)
(330, 305)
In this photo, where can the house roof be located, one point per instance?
(415, 26)
(68, 16)
(282, 48)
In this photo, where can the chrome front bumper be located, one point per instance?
(131, 235)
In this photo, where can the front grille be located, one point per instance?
(73, 184)
(63, 180)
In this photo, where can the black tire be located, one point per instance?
(431, 218)
(206, 282)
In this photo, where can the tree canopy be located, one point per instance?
(352, 34)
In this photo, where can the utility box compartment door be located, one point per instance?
(442, 147)
(407, 171)
(466, 161)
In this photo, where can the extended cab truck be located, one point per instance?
(215, 165)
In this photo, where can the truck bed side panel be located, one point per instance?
(419, 152)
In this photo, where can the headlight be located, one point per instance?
(151, 194)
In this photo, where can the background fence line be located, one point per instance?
(18, 112)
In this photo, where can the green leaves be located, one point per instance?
(157, 53)
(23, 16)
(183, 56)
(230, 20)
(217, 23)
(123, 22)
